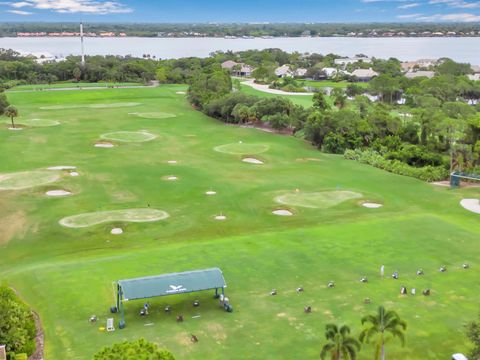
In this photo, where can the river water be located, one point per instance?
(460, 49)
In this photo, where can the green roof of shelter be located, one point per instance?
(170, 284)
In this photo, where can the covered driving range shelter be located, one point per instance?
(168, 284)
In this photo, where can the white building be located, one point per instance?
(414, 74)
(284, 71)
(346, 61)
(364, 74)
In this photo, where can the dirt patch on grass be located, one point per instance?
(12, 225)
(216, 331)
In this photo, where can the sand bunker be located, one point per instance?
(89, 106)
(27, 179)
(62, 167)
(241, 148)
(127, 215)
(282, 212)
(104, 145)
(74, 173)
(318, 200)
(472, 205)
(210, 193)
(58, 193)
(116, 231)
(37, 122)
(371, 205)
(220, 217)
(180, 93)
(251, 160)
(129, 136)
(171, 162)
(154, 115)
(15, 128)
(171, 178)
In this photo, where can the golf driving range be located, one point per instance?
(148, 202)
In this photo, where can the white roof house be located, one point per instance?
(474, 77)
(229, 64)
(415, 74)
(300, 72)
(364, 74)
(476, 69)
(283, 71)
(346, 61)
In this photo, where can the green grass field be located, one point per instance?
(72, 85)
(66, 273)
(303, 100)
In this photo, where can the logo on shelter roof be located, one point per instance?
(176, 289)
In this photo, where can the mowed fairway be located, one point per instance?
(66, 273)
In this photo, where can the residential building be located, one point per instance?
(364, 74)
(284, 71)
(414, 74)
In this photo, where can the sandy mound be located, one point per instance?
(282, 212)
(472, 205)
(38, 122)
(371, 205)
(58, 193)
(251, 160)
(116, 231)
(74, 173)
(127, 215)
(318, 200)
(154, 115)
(129, 136)
(27, 179)
(241, 148)
(62, 167)
(104, 145)
(220, 217)
(211, 192)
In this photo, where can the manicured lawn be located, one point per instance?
(303, 100)
(66, 274)
(71, 85)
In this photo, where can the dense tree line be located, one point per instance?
(238, 29)
(17, 326)
(17, 69)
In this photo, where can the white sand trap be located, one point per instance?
(129, 136)
(371, 205)
(126, 215)
(251, 160)
(211, 192)
(154, 115)
(58, 193)
(171, 178)
(318, 200)
(242, 148)
(171, 162)
(180, 93)
(282, 212)
(74, 173)
(62, 167)
(220, 217)
(15, 128)
(27, 179)
(90, 106)
(472, 205)
(104, 145)
(116, 231)
(38, 122)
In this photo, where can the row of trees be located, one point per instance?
(378, 328)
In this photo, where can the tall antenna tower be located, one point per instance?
(83, 46)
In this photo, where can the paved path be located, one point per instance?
(266, 89)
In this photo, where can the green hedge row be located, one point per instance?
(426, 173)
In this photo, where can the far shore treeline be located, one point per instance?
(423, 127)
(248, 29)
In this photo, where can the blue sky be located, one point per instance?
(241, 11)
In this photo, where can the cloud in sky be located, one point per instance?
(409, 6)
(20, 12)
(71, 6)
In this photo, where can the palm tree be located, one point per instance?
(379, 326)
(341, 345)
(11, 112)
